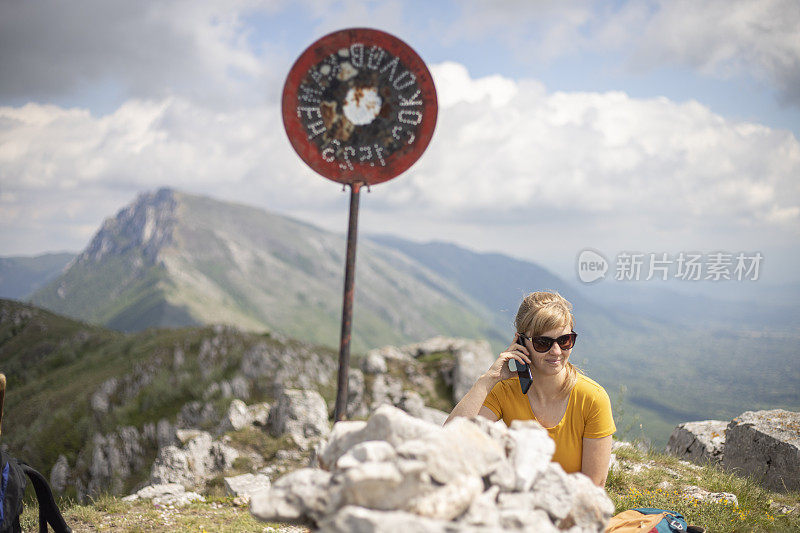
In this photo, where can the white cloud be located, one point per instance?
(601, 153)
(719, 38)
(725, 38)
(138, 49)
(455, 86)
(508, 160)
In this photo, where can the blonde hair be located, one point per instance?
(544, 311)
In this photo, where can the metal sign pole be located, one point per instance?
(340, 410)
(359, 107)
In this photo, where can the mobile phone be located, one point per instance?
(523, 371)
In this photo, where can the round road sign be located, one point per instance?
(359, 106)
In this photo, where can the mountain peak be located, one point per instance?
(147, 224)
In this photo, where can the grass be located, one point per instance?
(627, 488)
(107, 513)
(645, 488)
(260, 442)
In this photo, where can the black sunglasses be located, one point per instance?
(543, 344)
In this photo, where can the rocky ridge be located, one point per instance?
(191, 448)
(145, 225)
(762, 444)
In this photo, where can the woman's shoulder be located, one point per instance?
(506, 387)
(507, 384)
(586, 386)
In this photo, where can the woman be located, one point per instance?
(574, 409)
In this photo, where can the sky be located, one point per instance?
(622, 127)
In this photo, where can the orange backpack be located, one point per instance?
(650, 520)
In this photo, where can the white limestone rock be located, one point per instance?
(448, 501)
(59, 474)
(696, 493)
(700, 442)
(302, 496)
(354, 519)
(259, 413)
(373, 363)
(483, 511)
(368, 451)
(412, 403)
(571, 499)
(384, 485)
(471, 361)
(531, 453)
(236, 418)
(302, 414)
(461, 447)
(246, 484)
(344, 435)
(198, 460)
(165, 494)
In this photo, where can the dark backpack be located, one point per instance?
(14, 476)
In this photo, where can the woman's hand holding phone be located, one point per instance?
(516, 351)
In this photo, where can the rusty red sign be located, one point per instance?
(359, 106)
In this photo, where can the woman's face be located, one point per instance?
(554, 360)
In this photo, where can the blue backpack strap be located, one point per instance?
(3, 487)
(673, 522)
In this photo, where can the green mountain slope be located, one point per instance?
(57, 367)
(21, 276)
(172, 259)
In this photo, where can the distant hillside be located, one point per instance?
(499, 282)
(731, 304)
(171, 259)
(69, 381)
(691, 366)
(21, 276)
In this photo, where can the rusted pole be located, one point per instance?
(340, 411)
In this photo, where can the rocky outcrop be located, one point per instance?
(270, 368)
(245, 485)
(402, 376)
(197, 460)
(765, 445)
(147, 224)
(165, 494)
(471, 361)
(59, 474)
(197, 415)
(236, 418)
(396, 472)
(762, 444)
(696, 493)
(301, 414)
(699, 442)
(109, 460)
(115, 392)
(412, 403)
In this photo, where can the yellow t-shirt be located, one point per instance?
(588, 415)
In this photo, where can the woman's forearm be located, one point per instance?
(471, 403)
